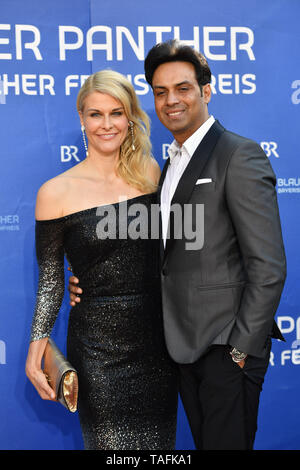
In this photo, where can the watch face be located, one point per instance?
(237, 355)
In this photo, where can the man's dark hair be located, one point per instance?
(174, 51)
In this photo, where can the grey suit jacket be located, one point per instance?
(231, 287)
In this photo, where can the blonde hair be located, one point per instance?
(133, 165)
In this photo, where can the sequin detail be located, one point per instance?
(127, 381)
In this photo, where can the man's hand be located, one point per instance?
(238, 357)
(241, 363)
(74, 290)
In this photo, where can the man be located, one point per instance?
(219, 299)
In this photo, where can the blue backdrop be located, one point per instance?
(46, 50)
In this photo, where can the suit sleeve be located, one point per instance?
(252, 202)
(50, 258)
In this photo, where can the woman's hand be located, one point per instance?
(34, 371)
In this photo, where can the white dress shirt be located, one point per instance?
(179, 159)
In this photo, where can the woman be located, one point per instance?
(127, 382)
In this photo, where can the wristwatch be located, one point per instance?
(237, 356)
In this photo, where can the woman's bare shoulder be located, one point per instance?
(50, 197)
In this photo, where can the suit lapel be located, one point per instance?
(192, 173)
(161, 181)
(162, 178)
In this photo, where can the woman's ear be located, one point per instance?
(81, 118)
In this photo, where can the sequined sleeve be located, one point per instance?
(50, 257)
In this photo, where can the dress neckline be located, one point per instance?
(93, 208)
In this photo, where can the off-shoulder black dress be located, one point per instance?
(127, 382)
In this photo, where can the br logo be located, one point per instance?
(270, 148)
(67, 152)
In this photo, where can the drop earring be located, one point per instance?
(132, 135)
(84, 140)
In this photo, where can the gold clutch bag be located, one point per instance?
(62, 377)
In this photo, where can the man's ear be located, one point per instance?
(206, 91)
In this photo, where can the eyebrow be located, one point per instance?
(115, 109)
(185, 82)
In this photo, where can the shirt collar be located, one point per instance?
(193, 141)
